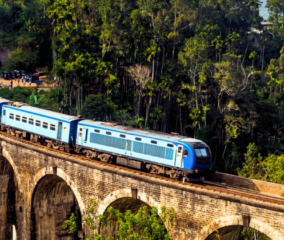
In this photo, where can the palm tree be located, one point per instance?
(34, 101)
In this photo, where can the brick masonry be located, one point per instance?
(50, 185)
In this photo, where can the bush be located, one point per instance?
(98, 107)
(21, 59)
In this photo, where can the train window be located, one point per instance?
(97, 131)
(52, 127)
(179, 149)
(154, 142)
(24, 119)
(197, 152)
(31, 121)
(122, 135)
(18, 118)
(45, 125)
(185, 153)
(138, 139)
(170, 145)
(11, 116)
(81, 129)
(4, 112)
(108, 133)
(203, 152)
(80, 134)
(38, 123)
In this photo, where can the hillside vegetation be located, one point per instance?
(202, 68)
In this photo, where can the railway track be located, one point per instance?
(206, 185)
(246, 192)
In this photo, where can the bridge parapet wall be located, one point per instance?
(248, 183)
(199, 211)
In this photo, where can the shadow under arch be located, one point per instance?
(8, 198)
(60, 173)
(7, 156)
(224, 225)
(52, 204)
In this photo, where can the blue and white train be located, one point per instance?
(156, 152)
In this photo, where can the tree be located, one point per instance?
(122, 116)
(250, 233)
(276, 8)
(141, 76)
(272, 169)
(252, 57)
(193, 59)
(150, 224)
(156, 115)
(97, 107)
(35, 101)
(251, 165)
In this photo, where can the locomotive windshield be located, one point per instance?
(201, 152)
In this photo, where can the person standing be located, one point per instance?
(11, 84)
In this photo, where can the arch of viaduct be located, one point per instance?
(49, 186)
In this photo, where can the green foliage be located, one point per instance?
(20, 59)
(50, 100)
(122, 116)
(35, 101)
(202, 74)
(26, 32)
(272, 169)
(156, 115)
(17, 94)
(70, 224)
(269, 169)
(252, 234)
(151, 224)
(251, 164)
(98, 107)
(137, 123)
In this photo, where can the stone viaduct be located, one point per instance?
(40, 188)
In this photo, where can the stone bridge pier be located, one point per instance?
(39, 189)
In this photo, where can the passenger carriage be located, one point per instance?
(57, 130)
(159, 153)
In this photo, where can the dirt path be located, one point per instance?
(21, 84)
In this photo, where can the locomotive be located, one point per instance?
(155, 152)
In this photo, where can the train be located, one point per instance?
(171, 155)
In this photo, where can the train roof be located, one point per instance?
(128, 129)
(27, 108)
(3, 100)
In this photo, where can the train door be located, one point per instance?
(128, 147)
(85, 135)
(3, 120)
(59, 132)
(80, 135)
(179, 156)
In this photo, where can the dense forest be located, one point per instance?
(205, 69)
(201, 68)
